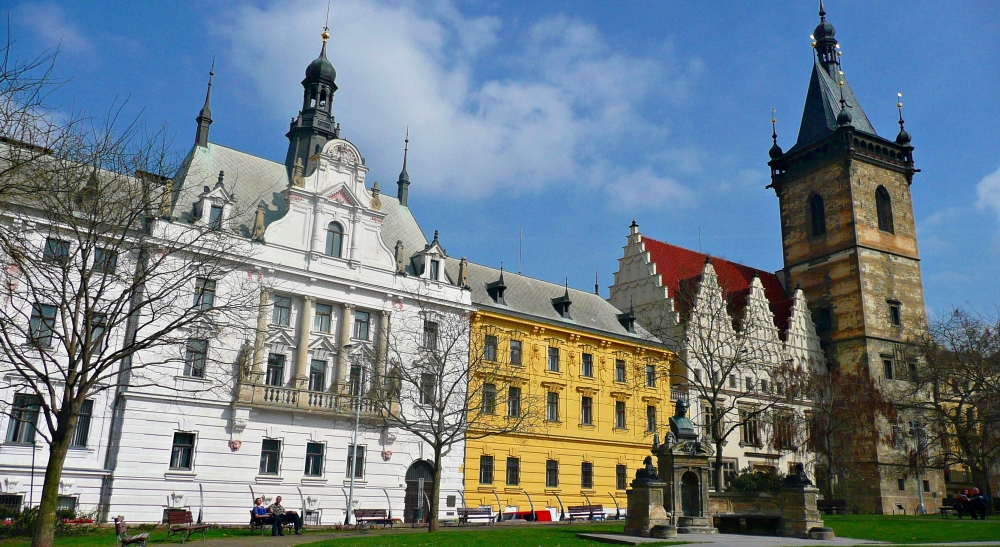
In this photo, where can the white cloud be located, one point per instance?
(989, 192)
(557, 105)
(50, 23)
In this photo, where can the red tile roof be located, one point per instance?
(679, 267)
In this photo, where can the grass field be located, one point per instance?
(910, 529)
(105, 537)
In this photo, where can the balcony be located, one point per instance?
(328, 403)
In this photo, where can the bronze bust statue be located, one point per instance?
(680, 424)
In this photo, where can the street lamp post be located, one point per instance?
(354, 442)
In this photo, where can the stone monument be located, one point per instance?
(646, 515)
(683, 464)
(799, 516)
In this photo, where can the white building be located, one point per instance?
(690, 300)
(270, 409)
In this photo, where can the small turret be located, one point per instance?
(204, 118)
(403, 183)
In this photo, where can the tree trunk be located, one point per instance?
(432, 522)
(719, 474)
(45, 528)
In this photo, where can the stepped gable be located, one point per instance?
(680, 270)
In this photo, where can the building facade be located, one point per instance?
(591, 379)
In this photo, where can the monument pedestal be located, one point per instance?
(799, 514)
(646, 511)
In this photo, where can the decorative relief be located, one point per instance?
(345, 154)
(342, 196)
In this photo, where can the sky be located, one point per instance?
(564, 120)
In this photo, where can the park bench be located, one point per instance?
(363, 517)
(122, 538)
(475, 514)
(182, 523)
(949, 506)
(832, 507)
(752, 524)
(585, 512)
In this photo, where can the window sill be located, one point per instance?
(179, 475)
(357, 482)
(587, 378)
(483, 488)
(553, 490)
(512, 489)
(24, 448)
(587, 426)
(195, 379)
(553, 422)
(313, 480)
(620, 430)
(588, 491)
(553, 372)
(268, 479)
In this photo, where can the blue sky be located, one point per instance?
(569, 119)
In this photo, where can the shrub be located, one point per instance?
(753, 480)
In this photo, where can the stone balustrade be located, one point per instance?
(321, 402)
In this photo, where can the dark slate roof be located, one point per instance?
(531, 297)
(819, 116)
(250, 178)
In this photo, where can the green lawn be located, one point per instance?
(488, 536)
(910, 529)
(105, 537)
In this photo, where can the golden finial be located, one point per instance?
(900, 103)
(326, 25)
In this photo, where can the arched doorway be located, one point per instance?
(690, 495)
(416, 505)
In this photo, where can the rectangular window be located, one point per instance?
(83, 424)
(554, 359)
(763, 385)
(751, 428)
(927, 486)
(515, 352)
(587, 365)
(748, 383)
(98, 328)
(105, 260)
(620, 414)
(275, 370)
(784, 432)
(552, 407)
(621, 477)
(354, 382)
(586, 411)
(65, 503)
(204, 293)
(728, 473)
(887, 368)
(901, 484)
(270, 453)
(551, 474)
(56, 250)
(362, 321)
(427, 387)
(195, 357)
(697, 375)
(619, 370)
(650, 376)
(912, 368)
(430, 335)
(23, 419)
(435, 269)
(651, 418)
(489, 399)
(513, 471)
(314, 460)
(281, 314)
(182, 452)
(215, 218)
(514, 402)
(490, 348)
(823, 318)
(324, 317)
(732, 381)
(42, 324)
(485, 469)
(895, 314)
(587, 475)
(317, 375)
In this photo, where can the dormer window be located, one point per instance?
(627, 320)
(496, 290)
(562, 304)
(334, 239)
(215, 218)
(435, 270)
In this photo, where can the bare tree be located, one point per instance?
(729, 359)
(448, 382)
(100, 292)
(954, 384)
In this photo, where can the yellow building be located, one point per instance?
(588, 383)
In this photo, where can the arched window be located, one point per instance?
(334, 239)
(817, 214)
(883, 204)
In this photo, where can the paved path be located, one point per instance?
(728, 540)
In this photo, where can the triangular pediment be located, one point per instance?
(322, 343)
(343, 196)
(279, 337)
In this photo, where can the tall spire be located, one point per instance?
(204, 118)
(315, 125)
(404, 178)
(775, 151)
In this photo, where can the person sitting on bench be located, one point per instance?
(281, 516)
(260, 513)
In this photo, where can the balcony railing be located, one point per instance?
(325, 402)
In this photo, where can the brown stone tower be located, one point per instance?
(850, 242)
